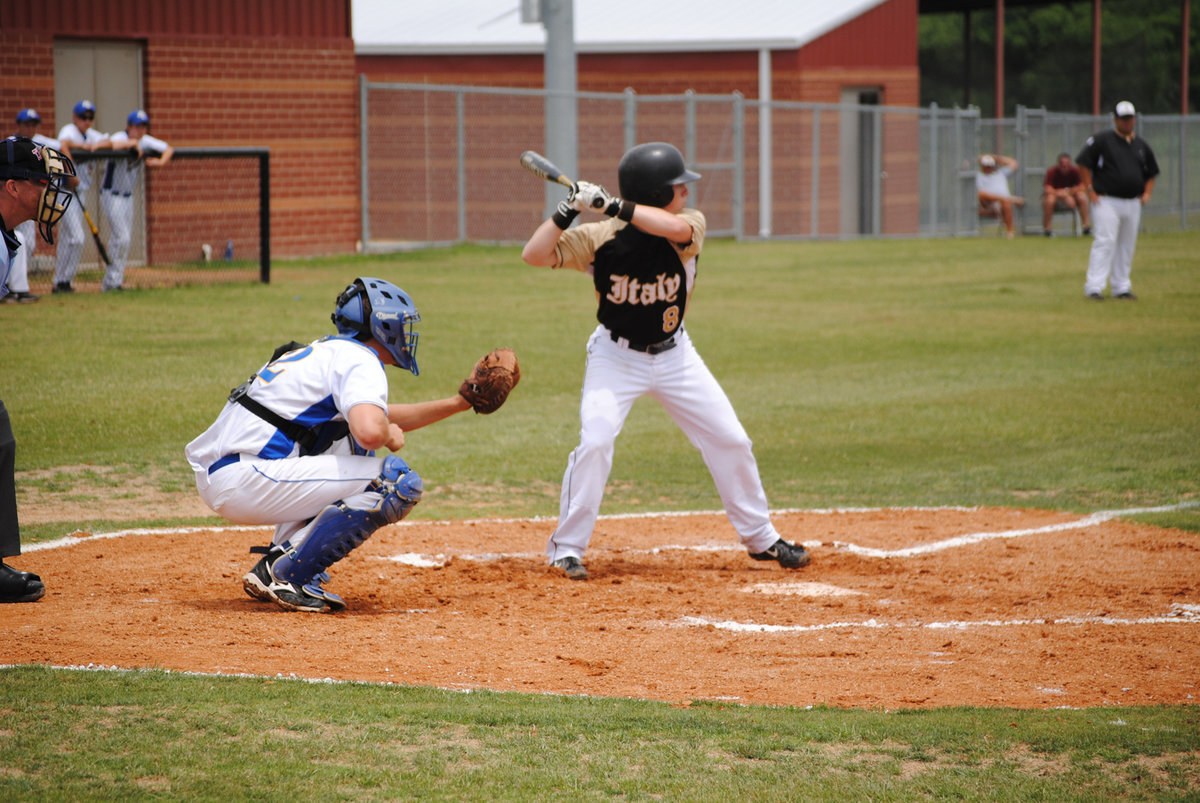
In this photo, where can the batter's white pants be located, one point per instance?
(68, 233)
(679, 380)
(1115, 223)
(118, 211)
(289, 492)
(18, 275)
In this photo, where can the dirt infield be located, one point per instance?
(899, 609)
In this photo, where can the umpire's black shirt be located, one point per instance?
(1119, 167)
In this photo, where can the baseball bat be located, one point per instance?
(542, 167)
(95, 231)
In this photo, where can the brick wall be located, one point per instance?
(27, 79)
(220, 79)
(300, 99)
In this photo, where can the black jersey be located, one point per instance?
(1119, 168)
(642, 281)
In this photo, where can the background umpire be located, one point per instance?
(1118, 170)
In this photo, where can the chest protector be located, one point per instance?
(642, 286)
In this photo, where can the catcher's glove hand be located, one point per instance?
(491, 380)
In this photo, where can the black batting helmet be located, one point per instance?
(647, 173)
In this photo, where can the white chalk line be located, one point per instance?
(440, 560)
(1180, 614)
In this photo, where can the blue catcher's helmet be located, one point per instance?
(375, 308)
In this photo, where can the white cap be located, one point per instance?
(1124, 109)
(987, 160)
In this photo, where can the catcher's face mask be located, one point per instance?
(25, 160)
(55, 197)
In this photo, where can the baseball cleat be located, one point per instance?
(573, 567)
(262, 584)
(790, 556)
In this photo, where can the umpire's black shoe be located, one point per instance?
(572, 566)
(261, 583)
(63, 287)
(18, 586)
(790, 556)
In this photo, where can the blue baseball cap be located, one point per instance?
(138, 117)
(85, 106)
(28, 116)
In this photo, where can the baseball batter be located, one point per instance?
(643, 261)
(295, 445)
(119, 183)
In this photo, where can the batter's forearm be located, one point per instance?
(540, 251)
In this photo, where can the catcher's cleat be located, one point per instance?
(18, 586)
(572, 566)
(790, 556)
(261, 583)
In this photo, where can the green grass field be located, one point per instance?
(951, 372)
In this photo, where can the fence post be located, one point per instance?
(264, 216)
(364, 164)
(877, 163)
(689, 129)
(814, 199)
(461, 151)
(933, 168)
(1183, 199)
(630, 118)
(739, 165)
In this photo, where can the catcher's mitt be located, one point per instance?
(491, 380)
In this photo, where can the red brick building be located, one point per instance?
(276, 73)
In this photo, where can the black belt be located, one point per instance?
(119, 194)
(220, 463)
(646, 348)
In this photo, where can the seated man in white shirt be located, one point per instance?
(991, 184)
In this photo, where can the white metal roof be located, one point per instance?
(601, 26)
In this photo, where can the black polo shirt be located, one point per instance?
(1120, 168)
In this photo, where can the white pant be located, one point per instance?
(69, 236)
(18, 274)
(1115, 223)
(289, 492)
(679, 380)
(118, 211)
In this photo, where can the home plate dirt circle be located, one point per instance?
(900, 608)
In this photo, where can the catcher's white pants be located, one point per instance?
(678, 379)
(118, 210)
(1115, 223)
(18, 274)
(68, 233)
(289, 492)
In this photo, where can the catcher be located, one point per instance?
(295, 444)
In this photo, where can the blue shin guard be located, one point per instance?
(338, 529)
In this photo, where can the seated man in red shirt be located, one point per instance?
(1064, 190)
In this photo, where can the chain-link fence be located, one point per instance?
(184, 228)
(441, 162)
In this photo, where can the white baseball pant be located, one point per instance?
(1115, 223)
(118, 210)
(678, 379)
(288, 492)
(69, 236)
